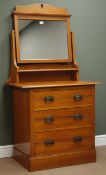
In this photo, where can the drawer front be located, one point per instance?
(62, 146)
(62, 97)
(63, 141)
(61, 118)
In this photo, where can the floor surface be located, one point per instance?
(10, 167)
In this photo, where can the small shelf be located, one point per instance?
(41, 70)
(47, 68)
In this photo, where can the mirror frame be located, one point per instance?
(41, 12)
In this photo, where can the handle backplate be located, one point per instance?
(78, 139)
(49, 119)
(49, 142)
(77, 117)
(77, 97)
(48, 99)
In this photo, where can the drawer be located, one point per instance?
(62, 97)
(62, 118)
(63, 141)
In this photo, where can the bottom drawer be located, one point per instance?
(51, 146)
(63, 141)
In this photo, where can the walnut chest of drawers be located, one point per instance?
(54, 125)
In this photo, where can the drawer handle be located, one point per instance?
(77, 97)
(77, 116)
(48, 99)
(49, 119)
(49, 142)
(78, 139)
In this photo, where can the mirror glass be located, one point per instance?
(43, 40)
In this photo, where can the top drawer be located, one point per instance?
(62, 97)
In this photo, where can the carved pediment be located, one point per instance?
(41, 9)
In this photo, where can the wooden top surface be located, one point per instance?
(41, 9)
(27, 85)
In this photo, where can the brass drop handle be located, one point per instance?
(78, 139)
(77, 97)
(48, 99)
(77, 117)
(49, 142)
(49, 119)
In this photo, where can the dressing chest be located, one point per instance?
(54, 112)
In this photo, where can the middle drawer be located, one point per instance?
(62, 118)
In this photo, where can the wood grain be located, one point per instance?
(30, 138)
(62, 118)
(42, 9)
(51, 84)
(21, 121)
(42, 76)
(62, 97)
(14, 76)
(61, 135)
(54, 161)
(63, 146)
